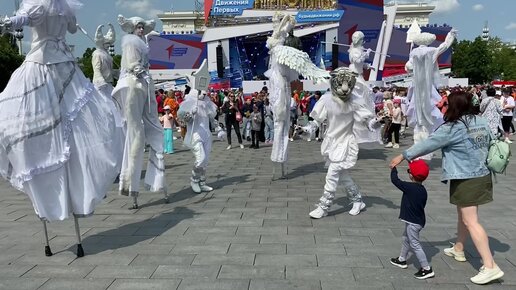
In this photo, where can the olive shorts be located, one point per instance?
(471, 192)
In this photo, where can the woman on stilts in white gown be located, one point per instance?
(135, 93)
(56, 140)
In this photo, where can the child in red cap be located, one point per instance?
(412, 213)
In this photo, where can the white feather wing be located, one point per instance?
(300, 61)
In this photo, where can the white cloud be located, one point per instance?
(511, 26)
(478, 7)
(142, 8)
(445, 6)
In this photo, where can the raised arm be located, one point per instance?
(450, 37)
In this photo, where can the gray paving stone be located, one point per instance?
(349, 261)
(218, 284)
(258, 248)
(284, 285)
(184, 271)
(21, 283)
(144, 259)
(251, 272)
(83, 284)
(59, 271)
(285, 260)
(295, 273)
(138, 284)
(122, 272)
(14, 271)
(230, 259)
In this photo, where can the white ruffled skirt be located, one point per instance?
(57, 139)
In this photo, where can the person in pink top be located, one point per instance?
(168, 138)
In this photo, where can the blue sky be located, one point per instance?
(468, 16)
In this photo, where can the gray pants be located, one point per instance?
(410, 240)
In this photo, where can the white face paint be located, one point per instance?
(139, 30)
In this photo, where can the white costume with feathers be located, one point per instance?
(286, 63)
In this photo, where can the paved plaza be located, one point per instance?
(253, 233)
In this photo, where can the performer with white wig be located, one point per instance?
(423, 96)
(286, 63)
(56, 140)
(103, 72)
(197, 111)
(347, 113)
(135, 94)
(357, 63)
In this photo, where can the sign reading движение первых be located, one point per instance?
(230, 7)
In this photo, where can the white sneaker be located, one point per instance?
(318, 213)
(291, 139)
(389, 145)
(357, 207)
(486, 275)
(229, 147)
(195, 187)
(241, 146)
(204, 187)
(309, 140)
(451, 252)
(507, 141)
(396, 146)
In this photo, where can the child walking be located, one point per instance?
(168, 139)
(256, 123)
(412, 213)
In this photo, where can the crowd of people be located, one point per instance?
(251, 115)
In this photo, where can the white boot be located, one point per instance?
(195, 186)
(318, 213)
(357, 207)
(204, 187)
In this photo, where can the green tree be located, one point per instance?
(10, 60)
(85, 63)
(483, 61)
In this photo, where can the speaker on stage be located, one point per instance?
(220, 62)
(334, 56)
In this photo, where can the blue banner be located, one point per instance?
(230, 7)
(319, 16)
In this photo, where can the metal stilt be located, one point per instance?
(166, 198)
(48, 252)
(80, 251)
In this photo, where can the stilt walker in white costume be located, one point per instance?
(135, 94)
(102, 62)
(56, 140)
(286, 63)
(103, 73)
(346, 113)
(357, 63)
(423, 96)
(197, 111)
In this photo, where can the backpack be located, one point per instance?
(498, 156)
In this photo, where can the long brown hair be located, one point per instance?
(460, 104)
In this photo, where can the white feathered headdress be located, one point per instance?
(129, 24)
(424, 38)
(109, 38)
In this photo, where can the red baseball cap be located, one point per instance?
(419, 169)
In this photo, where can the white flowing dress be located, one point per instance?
(55, 129)
(135, 94)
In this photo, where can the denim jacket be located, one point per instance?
(464, 149)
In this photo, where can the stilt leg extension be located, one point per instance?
(80, 251)
(48, 252)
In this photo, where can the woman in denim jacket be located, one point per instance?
(464, 141)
